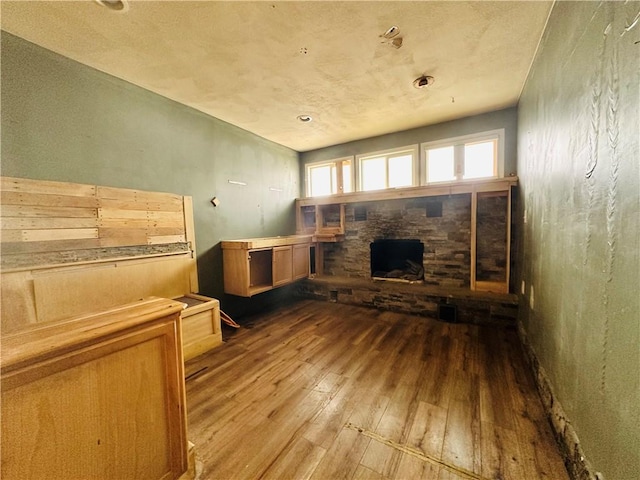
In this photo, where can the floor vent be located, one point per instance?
(448, 313)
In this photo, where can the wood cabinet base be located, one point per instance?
(98, 396)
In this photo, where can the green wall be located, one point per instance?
(65, 121)
(506, 119)
(578, 162)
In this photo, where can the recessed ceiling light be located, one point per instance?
(114, 5)
(423, 81)
(304, 118)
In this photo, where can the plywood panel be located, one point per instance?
(18, 301)
(104, 400)
(67, 292)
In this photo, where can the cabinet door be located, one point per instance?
(282, 265)
(300, 261)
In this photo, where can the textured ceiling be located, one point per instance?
(259, 65)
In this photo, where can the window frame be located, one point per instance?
(414, 150)
(458, 144)
(338, 164)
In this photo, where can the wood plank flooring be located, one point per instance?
(323, 391)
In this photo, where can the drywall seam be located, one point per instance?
(578, 466)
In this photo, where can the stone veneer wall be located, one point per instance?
(446, 238)
(491, 255)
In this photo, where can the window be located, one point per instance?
(440, 166)
(463, 158)
(328, 178)
(467, 157)
(387, 169)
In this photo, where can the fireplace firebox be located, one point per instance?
(397, 259)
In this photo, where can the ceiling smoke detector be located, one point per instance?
(114, 5)
(423, 81)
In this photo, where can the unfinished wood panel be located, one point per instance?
(18, 223)
(27, 185)
(18, 301)
(55, 234)
(454, 188)
(73, 291)
(170, 204)
(201, 329)
(9, 210)
(474, 237)
(128, 194)
(236, 271)
(265, 242)
(96, 397)
(47, 200)
(61, 217)
(300, 261)
(190, 237)
(282, 265)
(22, 250)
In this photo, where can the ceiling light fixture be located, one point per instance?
(423, 81)
(304, 118)
(391, 32)
(114, 5)
(390, 37)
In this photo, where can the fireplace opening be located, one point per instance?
(399, 260)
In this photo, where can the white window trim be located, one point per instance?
(415, 174)
(458, 144)
(320, 163)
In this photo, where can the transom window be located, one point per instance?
(463, 158)
(387, 169)
(454, 159)
(328, 178)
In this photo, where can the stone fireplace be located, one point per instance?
(441, 224)
(398, 260)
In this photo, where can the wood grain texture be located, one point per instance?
(55, 217)
(321, 390)
(98, 396)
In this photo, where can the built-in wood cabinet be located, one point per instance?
(282, 265)
(96, 396)
(490, 227)
(253, 266)
(300, 255)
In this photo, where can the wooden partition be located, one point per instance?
(96, 396)
(69, 249)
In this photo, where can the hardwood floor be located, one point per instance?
(319, 390)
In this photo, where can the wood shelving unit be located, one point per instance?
(256, 265)
(324, 218)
